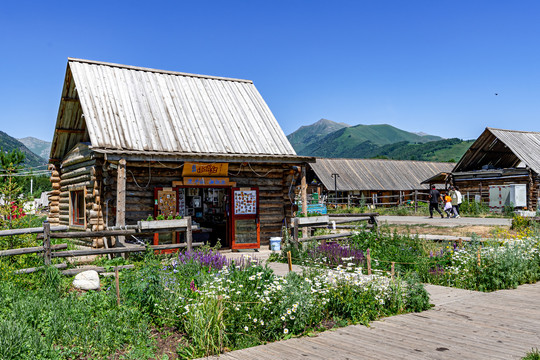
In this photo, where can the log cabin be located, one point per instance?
(377, 182)
(133, 142)
(497, 159)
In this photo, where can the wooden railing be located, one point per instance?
(59, 232)
(329, 221)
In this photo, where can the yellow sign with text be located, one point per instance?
(205, 169)
(206, 181)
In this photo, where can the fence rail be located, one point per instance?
(329, 221)
(59, 232)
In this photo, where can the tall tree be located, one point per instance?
(10, 190)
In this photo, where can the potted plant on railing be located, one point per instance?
(162, 222)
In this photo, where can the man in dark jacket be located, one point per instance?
(434, 196)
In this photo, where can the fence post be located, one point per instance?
(415, 201)
(368, 257)
(117, 282)
(295, 230)
(47, 242)
(289, 260)
(189, 234)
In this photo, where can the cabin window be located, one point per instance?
(77, 207)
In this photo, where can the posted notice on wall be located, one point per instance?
(245, 202)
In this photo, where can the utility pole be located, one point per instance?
(335, 176)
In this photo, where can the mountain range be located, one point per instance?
(8, 143)
(39, 147)
(327, 138)
(324, 138)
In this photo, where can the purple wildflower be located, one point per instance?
(214, 260)
(335, 253)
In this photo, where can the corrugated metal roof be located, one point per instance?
(376, 174)
(141, 109)
(499, 148)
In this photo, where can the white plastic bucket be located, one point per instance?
(275, 243)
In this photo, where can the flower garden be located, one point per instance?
(199, 303)
(189, 305)
(503, 262)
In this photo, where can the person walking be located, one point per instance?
(456, 200)
(448, 208)
(434, 197)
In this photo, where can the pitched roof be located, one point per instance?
(499, 148)
(376, 174)
(121, 107)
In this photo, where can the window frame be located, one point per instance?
(75, 207)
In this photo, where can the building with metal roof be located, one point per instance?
(385, 181)
(131, 142)
(497, 159)
(133, 110)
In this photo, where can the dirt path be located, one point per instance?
(437, 221)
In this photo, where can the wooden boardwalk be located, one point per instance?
(462, 325)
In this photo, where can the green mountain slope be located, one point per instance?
(39, 147)
(346, 140)
(368, 141)
(9, 143)
(313, 133)
(442, 150)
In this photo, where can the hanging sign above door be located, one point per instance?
(206, 181)
(205, 169)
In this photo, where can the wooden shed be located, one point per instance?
(134, 142)
(500, 157)
(373, 181)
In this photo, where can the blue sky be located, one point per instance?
(431, 66)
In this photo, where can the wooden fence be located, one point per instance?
(59, 232)
(329, 221)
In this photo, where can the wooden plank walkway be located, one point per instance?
(463, 325)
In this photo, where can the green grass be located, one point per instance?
(534, 354)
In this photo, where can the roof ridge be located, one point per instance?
(421, 161)
(518, 131)
(168, 72)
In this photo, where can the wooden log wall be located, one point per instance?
(79, 170)
(54, 197)
(481, 187)
(273, 181)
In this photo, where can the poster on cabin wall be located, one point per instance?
(165, 202)
(245, 218)
(205, 169)
(245, 202)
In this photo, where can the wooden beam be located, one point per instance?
(303, 189)
(65, 98)
(47, 242)
(327, 237)
(34, 230)
(121, 197)
(119, 250)
(34, 269)
(70, 131)
(353, 215)
(102, 233)
(99, 269)
(30, 250)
